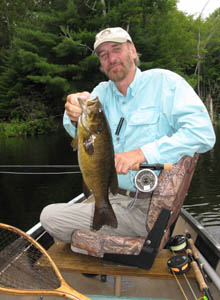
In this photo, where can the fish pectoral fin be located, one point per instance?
(88, 144)
(104, 216)
(74, 143)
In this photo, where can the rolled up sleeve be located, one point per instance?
(192, 129)
(68, 125)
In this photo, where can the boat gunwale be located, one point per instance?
(201, 231)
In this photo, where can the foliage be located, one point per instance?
(46, 49)
(36, 127)
(12, 12)
(28, 118)
(210, 66)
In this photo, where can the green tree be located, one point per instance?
(51, 52)
(12, 12)
(208, 58)
(30, 70)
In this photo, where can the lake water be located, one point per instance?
(24, 196)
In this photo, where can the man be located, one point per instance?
(164, 120)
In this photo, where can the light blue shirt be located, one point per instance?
(162, 115)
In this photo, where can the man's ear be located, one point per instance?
(133, 49)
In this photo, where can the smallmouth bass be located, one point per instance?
(96, 160)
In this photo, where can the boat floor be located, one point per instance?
(156, 283)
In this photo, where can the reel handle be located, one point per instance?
(166, 166)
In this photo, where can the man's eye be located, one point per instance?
(117, 49)
(103, 56)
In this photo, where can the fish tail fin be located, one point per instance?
(104, 216)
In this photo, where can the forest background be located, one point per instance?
(46, 52)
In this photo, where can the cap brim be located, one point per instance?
(108, 39)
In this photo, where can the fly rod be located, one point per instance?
(199, 276)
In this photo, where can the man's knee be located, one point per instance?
(46, 216)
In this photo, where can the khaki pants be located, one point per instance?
(59, 220)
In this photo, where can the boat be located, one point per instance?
(186, 267)
(101, 279)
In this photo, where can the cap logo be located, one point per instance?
(106, 32)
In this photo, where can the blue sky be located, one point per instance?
(196, 6)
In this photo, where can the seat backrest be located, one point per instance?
(170, 193)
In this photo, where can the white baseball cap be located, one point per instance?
(115, 34)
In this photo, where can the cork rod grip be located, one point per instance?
(193, 248)
(166, 166)
(197, 272)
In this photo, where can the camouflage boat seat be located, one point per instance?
(166, 202)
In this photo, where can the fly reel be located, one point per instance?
(179, 264)
(146, 180)
(178, 243)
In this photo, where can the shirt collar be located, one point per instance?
(132, 87)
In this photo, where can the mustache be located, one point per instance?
(105, 71)
(112, 65)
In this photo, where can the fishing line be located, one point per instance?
(131, 204)
(188, 283)
(39, 173)
(190, 287)
(39, 166)
(180, 286)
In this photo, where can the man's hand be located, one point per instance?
(126, 160)
(72, 106)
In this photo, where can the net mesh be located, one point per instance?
(23, 266)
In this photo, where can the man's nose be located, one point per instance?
(112, 57)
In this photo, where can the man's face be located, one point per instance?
(117, 59)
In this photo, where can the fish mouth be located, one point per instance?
(90, 103)
(89, 109)
(93, 106)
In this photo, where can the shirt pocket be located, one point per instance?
(144, 124)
